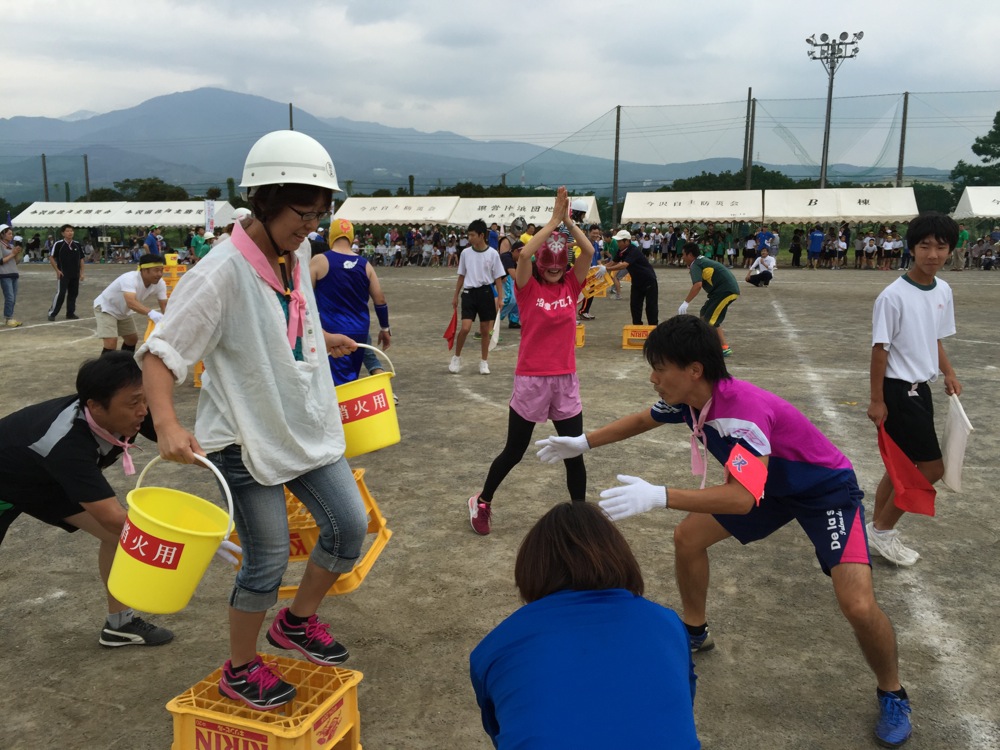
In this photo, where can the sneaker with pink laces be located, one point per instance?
(312, 639)
(480, 514)
(258, 685)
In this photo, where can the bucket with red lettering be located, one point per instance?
(168, 541)
(367, 411)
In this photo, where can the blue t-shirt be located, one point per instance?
(764, 240)
(816, 238)
(539, 672)
(152, 244)
(493, 239)
(342, 299)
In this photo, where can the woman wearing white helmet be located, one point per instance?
(267, 413)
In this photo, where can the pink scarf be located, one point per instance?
(108, 437)
(699, 458)
(254, 256)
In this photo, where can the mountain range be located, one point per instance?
(198, 139)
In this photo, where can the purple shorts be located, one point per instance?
(539, 398)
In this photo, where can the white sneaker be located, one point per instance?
(456, 364)
(484, 368)
(890, 546)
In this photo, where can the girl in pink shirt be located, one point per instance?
(545, 382)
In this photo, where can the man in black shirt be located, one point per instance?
(54, 453)
(67, 260)
(644, 286)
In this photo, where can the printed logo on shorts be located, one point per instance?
(837, 528)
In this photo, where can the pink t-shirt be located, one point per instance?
(548, 326)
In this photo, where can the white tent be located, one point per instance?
(978, 203)
(714, 205)
(122, 214)
(45, 214)
(403, 210)
(503, 211)
(168, 214)
(839, 204)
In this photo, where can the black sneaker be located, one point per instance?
(259, 685)
(52, 318)
(138, 632)
(72, 317)
(311, 639)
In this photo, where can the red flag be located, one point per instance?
(914, 493)
(449, 332)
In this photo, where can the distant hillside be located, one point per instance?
(199, 138)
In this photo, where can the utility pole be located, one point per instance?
(902, 140)
(86, 177)
(614, 185)
(45, 178)
(746, 134)
(753, 124)
(291, 125)
(832, 53)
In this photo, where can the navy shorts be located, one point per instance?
(834, 522)
(910, 419)
(479, 301)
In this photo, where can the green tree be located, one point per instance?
(760, 178)
(102, 195)
(213, 193)
(382, 193)
(987, 148)
(150, 189)
(231, 190)
(931, 197)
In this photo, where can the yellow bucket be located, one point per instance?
(368, 412)
(168, 541)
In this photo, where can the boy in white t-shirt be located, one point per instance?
(911, 317)
(141, 291)
(479, 272)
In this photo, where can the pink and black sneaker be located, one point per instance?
(312, 639)
(258, 685)
(480, 515)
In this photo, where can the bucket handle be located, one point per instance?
(210, 465)
(380, 353)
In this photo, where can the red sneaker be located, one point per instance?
(479, 515)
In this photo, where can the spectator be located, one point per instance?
(10, 249)
(67, 260)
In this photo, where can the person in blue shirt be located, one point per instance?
(152, 242)
(764, 237)
(582, 589)
(816, 238)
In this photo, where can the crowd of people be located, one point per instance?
(276, 294)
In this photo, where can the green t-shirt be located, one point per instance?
(714, 277)
(963, 238)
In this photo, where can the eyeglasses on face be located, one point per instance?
(308, 216)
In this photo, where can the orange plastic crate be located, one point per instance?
(303, 533)
(634, 337)
(323, 716)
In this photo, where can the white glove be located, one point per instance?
(682, 310)
(554, 449)
(227, 552)
(599, 273)
(155, 315)
(636, 496)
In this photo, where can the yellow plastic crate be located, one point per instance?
(323, 716)
(634, 337)
(303, 533)
(597, 287)
(199, 368)
(581, 333)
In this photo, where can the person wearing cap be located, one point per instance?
(67, 260)
(152, 241)
(142, 291)
(343, 283)
(267, 414)
(10, 249)
(645, 289)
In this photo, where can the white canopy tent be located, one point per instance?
(978, 203)
(403, 210)
(45, 214)
(503, 211)
(714, 205)
(122, 214)
(839, 204)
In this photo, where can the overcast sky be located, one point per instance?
(535, 71)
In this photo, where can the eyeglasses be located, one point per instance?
(311, 215)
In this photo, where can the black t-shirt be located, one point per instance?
(68, 256)
(638, 265)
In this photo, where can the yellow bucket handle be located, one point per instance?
(380, 353)
(210, 465)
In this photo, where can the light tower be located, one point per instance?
(831, 52)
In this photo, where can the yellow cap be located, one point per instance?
(341, 228)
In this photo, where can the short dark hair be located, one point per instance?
(692, 249)
(151, 258)
(478, 226)
(268, 201)
(575, 546)
(683, 340)
(100, 379)
(932, 224)
(64, 227)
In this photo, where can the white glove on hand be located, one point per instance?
(227, 552)
(599, 273)
(554, 449)
(636, 496)
(682, 310)
(155, 315)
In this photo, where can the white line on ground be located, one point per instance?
(52, 596)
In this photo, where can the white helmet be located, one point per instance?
(241, 213)
(579, 204)
(289, 157)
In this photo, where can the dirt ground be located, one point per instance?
(786, 672)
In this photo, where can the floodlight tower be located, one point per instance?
(831, 52)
